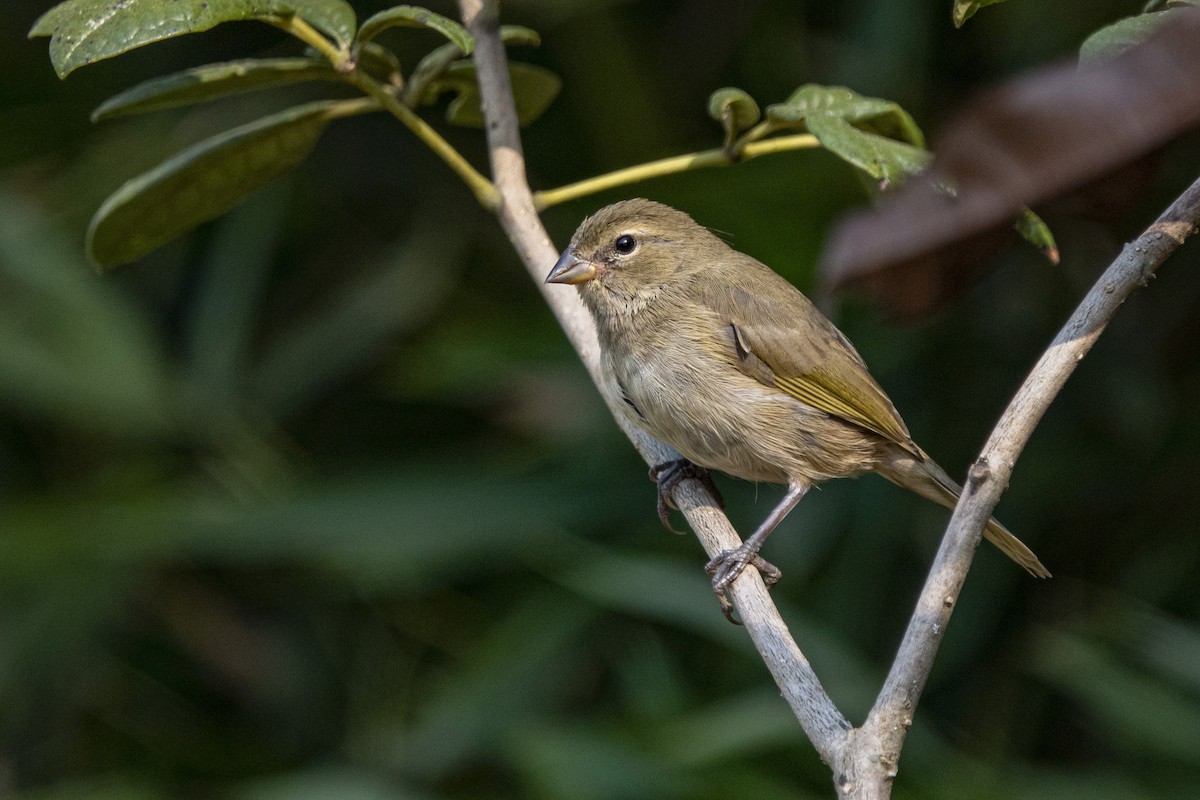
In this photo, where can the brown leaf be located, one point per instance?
(1021, 144)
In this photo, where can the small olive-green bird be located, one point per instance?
(719, 357)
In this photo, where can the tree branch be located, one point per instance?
(864, 760)
(820, 718)
(988, 478)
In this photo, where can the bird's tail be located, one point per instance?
(930, 481)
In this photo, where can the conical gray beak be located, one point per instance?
(571, 269)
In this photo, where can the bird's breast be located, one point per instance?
(682, 386)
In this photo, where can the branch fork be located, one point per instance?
(864, 760)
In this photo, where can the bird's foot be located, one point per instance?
(725, 568)
(668, 475)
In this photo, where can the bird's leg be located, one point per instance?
(669, 474)
(727, 565)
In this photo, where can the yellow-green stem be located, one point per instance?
(484, 190)
(760, 131)
(353, 108)
(339, 57)
(716, 157)
(343, 62)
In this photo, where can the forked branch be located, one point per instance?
(864, 760)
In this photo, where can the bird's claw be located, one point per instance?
(729, 564)
(668, 475)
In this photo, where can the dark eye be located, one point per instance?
(625, 244)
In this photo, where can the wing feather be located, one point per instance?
(782, 340)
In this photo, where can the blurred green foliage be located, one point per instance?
(316, 502)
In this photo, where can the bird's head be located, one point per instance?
(629, 251)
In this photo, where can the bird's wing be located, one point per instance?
(782, 340)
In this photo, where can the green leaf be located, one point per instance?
(734, 109)
(534, 88)
(520, 35)
(1035, 231)
(877, 136)
(1112, 40)
(965, 9)
(880, 157)
(209, 82)
(84, 31)
(417, 17)
(204, 181)
(883, 117)
(435, 63)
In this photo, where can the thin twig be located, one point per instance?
(716, 157)
(338, 57)
(820, 718)
(482, 188)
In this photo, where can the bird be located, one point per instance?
(713, 353)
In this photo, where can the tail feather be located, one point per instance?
(930, 481)
(1014, 548)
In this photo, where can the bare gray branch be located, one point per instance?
(864, 760)
(818, 715)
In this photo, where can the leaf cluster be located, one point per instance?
(204, 181)
(210, 177)
(877, 137)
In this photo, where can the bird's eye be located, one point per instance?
(625, 244)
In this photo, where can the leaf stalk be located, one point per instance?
(716, 157)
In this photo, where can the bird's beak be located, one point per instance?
(571, 269)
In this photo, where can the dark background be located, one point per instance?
(317, 502)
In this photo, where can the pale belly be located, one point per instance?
(720, 418)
